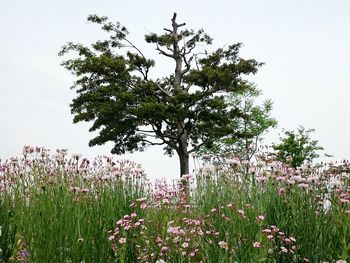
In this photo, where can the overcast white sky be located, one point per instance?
(305, 45)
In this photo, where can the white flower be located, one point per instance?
(186, 176)
(344, 175)
(334, 182)
(233, 161)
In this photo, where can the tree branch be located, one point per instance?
(153, 143)
(198, 146)
(187, 65)
(163, 90)
(162, 52)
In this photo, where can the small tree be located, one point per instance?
(297, 147)
(182, 111)
(249, 129)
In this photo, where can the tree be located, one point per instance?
(182, 111)
(297, 147)
(249, 129)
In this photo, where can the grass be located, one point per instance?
(59, 209)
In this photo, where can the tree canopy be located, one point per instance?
(297, 147)
(183, 111)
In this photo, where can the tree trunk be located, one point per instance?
(184, 161)
(184, 164)
(182, 150)
(184, 169)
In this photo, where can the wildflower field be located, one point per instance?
(60, 208)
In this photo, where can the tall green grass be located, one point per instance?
(61, 210)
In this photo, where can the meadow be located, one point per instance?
(61, 208)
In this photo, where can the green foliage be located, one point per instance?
(182, 111)
(7, 228)
(297, 147)
(249, 129)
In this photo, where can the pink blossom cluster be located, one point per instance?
(280, 241)
(182, 237)
(38, 167)
(124, 226)
(164, 194)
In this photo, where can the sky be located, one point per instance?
(303, 43)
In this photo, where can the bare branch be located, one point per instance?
(163, 90)
(144, 131)
(175, 25)
(187, 64)
(170, 49)
(144, 74)
(164, 53)
(174, 18)
(132, 45)
(148, 135)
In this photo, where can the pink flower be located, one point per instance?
(266, 231)
(260, 218)
(223, 245)
(122, 240)
(303, 186)
(284, 250)
(275, 229)
(270, 237)
(174, 230)
(184, 245)
(164, 249)
(280, 178)
(344, 200)
(186, 176)
(297, 178)
(281, 191)
(111, 238)
(292, 239)
(85, 190)
(290, 182)
(256, 244)
(261, 179)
